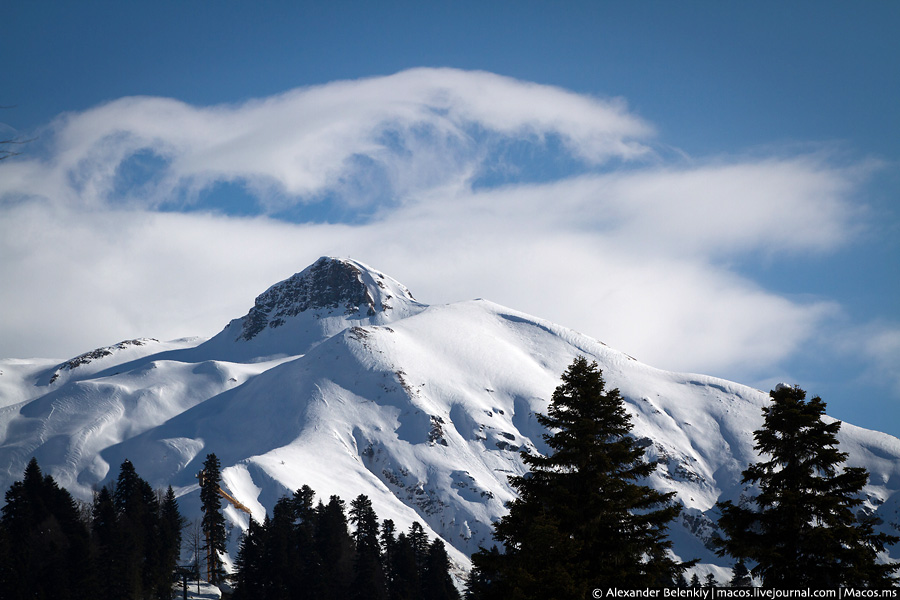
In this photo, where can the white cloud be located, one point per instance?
(417, 126)
(635, 257)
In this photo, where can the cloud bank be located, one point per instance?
(433, 171)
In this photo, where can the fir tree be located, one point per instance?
(804, 532)
(740, 576)
(436, 581)
(405, 584)
(112, 571)
(335, 547)
(583, 518)
(368, 579)
(418, 541)
(484, 579)
(139, 534)
(311, 571)
(251, 571)
(171, 524)
(282, 559)
(213, 522)
(47, 545)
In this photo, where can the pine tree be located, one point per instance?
(484, 581)
(335, 547)
(804, 532)
(140, 531)
(583, 518)
(740, 576)
(368, 579)
(418, 541)
(310, 576)
(47, 545)
(112, 571)
(436, 581)
(405, 582)
(250, 576)
(391, 552)
(213, 522)
(171, 524)
(282, 559)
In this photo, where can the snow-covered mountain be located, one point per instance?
(338, 378)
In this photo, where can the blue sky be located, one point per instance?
(708, 186)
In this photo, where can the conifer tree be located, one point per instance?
(804, 532)
(171, 524)
(47, 546)
(368, 579)
(310, 577)
(405, 583)
(484, 579)
(251, 571)
(282, 559)
(335, 547)
(112, 570)
(418, 541)
(583, 518)
(138, 534)
(390, 550)
(213, 522)
(740, 576)
(436, 581)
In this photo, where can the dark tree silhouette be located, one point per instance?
(583, 518)
(213, 522)
(804, 531)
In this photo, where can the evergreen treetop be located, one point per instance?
(804, 531)
(583, 519)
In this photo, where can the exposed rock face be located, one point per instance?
(89, 357)
(329, 284)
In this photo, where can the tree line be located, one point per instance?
(308, 550)
(125, 544)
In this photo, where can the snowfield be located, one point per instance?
(339, 379)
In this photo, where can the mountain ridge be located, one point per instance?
(423, 408)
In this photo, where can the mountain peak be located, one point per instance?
(329, 287)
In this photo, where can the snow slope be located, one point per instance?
(338, 378)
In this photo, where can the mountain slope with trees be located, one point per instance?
(422, 409)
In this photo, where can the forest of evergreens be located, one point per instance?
(126, 544)
(307, 550)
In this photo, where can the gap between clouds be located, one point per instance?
(624, 247)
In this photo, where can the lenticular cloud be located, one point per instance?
(413, 130)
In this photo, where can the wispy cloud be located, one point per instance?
(624, 246)
(419, 128)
